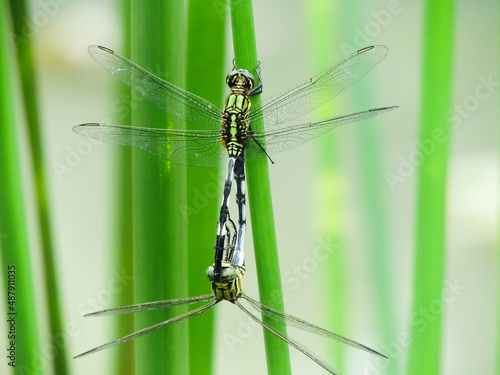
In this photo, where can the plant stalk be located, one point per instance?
(260, 201)
(425, 352)
(204, 77)
(22, 351)
(160, 250)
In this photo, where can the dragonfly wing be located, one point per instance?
(318, 89)
(150, 329)
(280, 316)
(171, 98)
(187, 147)
(290, 341)
(285, 139)
(152, 306)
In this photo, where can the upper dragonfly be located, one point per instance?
(231, 127)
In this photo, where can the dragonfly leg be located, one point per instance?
(257, 89)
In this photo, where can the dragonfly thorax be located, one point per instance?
(240, 81)
(235, 123)
(230, 286)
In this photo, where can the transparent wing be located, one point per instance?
(150, 329)
(174, 100)
(285, 139)
(290, 341)
(319, 89)
(279, 316)
(187, 147)
(158, 305)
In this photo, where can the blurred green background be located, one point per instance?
(73, 89)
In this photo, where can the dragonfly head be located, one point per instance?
(230, 285)
(228, 273)
(240, 80)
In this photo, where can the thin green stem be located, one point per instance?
(160, 251)
(123, 361)
(372, 195)
(425, 351)
(29, 93)
(497, 360)
(204, 77)
(21, 351)
(259, 193)
(329, 182)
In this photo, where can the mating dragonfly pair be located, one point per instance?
(232, 129)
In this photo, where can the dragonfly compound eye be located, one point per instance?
(240, 79)
(210, 273)
(228, 274)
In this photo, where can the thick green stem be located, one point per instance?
(204, 77)
(22, 352)
(160, 251)
(425, 350)
(29, 92)
(259, 193)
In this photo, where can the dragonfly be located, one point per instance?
(230, 127)
(230, 288)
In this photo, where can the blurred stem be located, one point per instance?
(16, 264)
(329, 185)
(29, 93)
(497, 364)
(372, 194)
(204, 77)
(259, 193)
(429, 265)
(160, 251)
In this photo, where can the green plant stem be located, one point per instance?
(259, 193)
(20, 314)
(29, 93)
(160, 251)
(429, 266)
(497, 360)
(329, 182)
(372, 195)
(204, 77)
(123, 360)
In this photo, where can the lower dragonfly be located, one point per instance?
(230, 288)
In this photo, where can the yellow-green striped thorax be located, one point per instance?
(235, 118)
